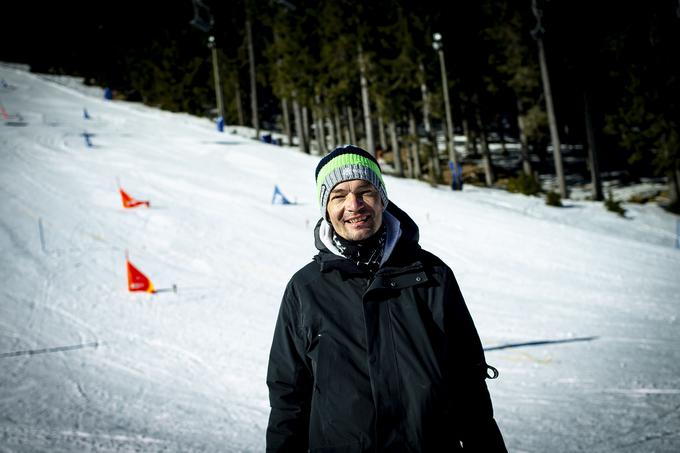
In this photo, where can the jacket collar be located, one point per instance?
(402, 233)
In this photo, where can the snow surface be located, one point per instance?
(577, 307)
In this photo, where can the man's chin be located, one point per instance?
(359, 234)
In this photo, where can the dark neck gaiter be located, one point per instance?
(366, 254)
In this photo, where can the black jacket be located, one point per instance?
(391, 363)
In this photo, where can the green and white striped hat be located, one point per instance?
(346, 163)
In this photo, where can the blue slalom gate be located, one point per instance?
(279, 197)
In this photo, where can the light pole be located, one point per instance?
(218, 84)
(453, 156)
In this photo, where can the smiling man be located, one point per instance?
(355, 210)
(374, 349)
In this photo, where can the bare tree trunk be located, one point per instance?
(396, 151)
(470, 146)
(317, 133)
(383, 136)
(486, 153)
(410, 171)
(592, 152)
(328, 119)
(239, 104)
(523, 142)
(338, 126)
(299, 126)
(370, 144)
(352, 130)
(537, 33)
(674, 180)
(381, 130)
(415, 146)
(435, 169)
(501, 134)
(253, 83)
(331, 143)
(305, 126)
(552, 122)
(425, 98)
(524, 146)
(286, 121)
(318, 116)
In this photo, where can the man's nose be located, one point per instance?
(354, 201)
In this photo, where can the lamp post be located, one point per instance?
(218, 84)
(438, 45)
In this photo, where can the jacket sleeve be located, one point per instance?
(471, 403)
(289, 381)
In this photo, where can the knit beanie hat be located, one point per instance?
(346, 163)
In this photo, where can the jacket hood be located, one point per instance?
(402, 236)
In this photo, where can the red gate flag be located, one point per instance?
(129, 202)
(136, 280)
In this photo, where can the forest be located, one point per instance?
(528, 95)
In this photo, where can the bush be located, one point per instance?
(553, 199)
(644, 197)
(523, 183)
(613, 205)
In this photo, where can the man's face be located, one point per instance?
(355, 209)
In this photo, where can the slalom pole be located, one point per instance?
(167, 290)
(42, 236)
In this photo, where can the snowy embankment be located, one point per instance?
(577, 307)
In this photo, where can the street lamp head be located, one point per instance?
(437, 41)
(211, 41)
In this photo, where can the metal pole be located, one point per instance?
(439, 47)
(216, 71)
(42, 235)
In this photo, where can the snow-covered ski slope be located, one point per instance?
(578, 308)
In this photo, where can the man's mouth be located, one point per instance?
(357, 220)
